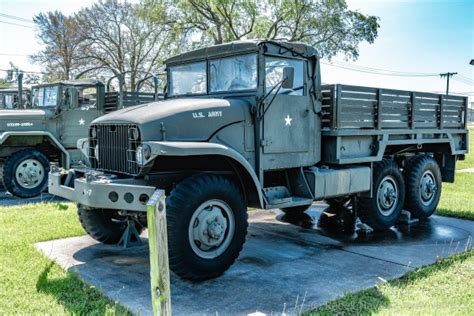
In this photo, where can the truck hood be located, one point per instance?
(184, 119)
(18, 120)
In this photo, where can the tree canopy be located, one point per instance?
(112, 36)
(61, 37)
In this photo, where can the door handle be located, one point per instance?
(305, 113)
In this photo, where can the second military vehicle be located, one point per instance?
(248, 124)
(47, 130)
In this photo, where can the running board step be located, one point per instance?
(279, 197)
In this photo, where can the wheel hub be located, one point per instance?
(211, 229)
(387, 195)
(428, 187)
(29, 173)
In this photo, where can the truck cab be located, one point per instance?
(9, 98)
(47, 130)
(248, 124)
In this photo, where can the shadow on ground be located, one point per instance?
(67, 290)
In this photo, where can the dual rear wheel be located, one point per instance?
(417, 190)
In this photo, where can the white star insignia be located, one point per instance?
(82, 122)
(288, 120)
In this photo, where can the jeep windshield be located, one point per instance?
(229, 74)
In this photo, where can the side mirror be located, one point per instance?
(288, 77)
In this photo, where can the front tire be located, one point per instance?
(25, 173)
(105, 226)
(207, 225)
(423, 186)
(388, 195)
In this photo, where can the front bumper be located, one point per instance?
(96, 190)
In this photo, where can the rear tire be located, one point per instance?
(207, 225)
(388, 195)
(105, 226)
(423, 186)
(25, 173)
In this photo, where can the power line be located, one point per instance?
(465, 77)
(14, 17)
(464, 81)
(7, 54)
(16, 24)
(26, 72)
(378, 70)
(448, 75)
(381, 72)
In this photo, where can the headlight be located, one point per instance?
(96, 152)
(94, 132)
(139, 156)
(142, 154)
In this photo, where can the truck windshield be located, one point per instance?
(7, 101)
(233, 73)
(188, 79)
(45, 96)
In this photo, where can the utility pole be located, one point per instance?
(448, 75)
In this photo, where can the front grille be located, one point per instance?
(117, 145)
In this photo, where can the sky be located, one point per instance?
(415, 37)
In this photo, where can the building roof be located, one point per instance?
(247, 46)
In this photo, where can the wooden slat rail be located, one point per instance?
(353, 107)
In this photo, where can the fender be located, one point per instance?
(5, 135)
(200, 149)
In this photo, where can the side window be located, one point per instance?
(50, 96)
(274, 75)
(87, 98)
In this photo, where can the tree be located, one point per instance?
(121, 38)
(222, 20)
(60, 35)
(326, 24)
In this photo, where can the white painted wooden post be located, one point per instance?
(159, 262)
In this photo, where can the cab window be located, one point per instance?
(233, 73)
(274, 75)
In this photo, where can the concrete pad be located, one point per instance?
(467, 170)
(282, 268)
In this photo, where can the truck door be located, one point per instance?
(78, 110)
(288, 137)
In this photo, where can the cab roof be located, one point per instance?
(246, 46)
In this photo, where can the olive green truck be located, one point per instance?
(248, 124)
(46, 129)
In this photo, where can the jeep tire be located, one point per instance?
(423, 186)
(207, 225)
(25, 173)
(383, 209)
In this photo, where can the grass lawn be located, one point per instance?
(457, 199)
(446, 287)
(29, 282)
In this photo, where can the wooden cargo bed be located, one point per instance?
(361, 124)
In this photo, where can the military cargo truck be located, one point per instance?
(10, 98)
(248, 124)
(48, 130)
